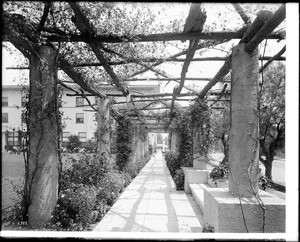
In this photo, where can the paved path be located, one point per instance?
(152, 204)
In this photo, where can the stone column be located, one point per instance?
(103, 127)
(174, 142)
(42, 177)
(244, 130)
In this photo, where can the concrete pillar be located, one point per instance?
(42, 178)
(244, 130)
(174, 142)
(103, 127)
(199, 156)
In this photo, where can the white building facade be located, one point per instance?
(77, 118)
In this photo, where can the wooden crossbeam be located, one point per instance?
(154, 37)
(194, 22)
(271, 59)
(267, 28)
(25, 38)
(265, 58)
(86, 28)
(218, 77)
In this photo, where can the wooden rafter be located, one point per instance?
(272, 59)
(86, 28)
(194, 22)
(136, 61)
(154, 37)
(83, 64)
(24, 37)
(267, 28)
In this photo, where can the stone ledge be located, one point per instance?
(194, 176)
(223, 211)
(198, 194)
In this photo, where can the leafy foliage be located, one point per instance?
(264, 183)
(179, 179)
(123, 142)
(200, 120)
(272, 114)
(219, 172)
(173, 162)
(74, 143)
(87, 188)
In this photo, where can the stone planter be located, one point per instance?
(218, 183)
(200, 163)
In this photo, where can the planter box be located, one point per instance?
(223, 211)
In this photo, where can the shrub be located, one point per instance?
(123, 142)
(86, 187)
(74, 143)
(74, 207)
(219, 172)
(87, 169)
(179, 179)
(110, 187)
(263, 182)
(90, 146)
(172, 162)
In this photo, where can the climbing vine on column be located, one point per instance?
(123, 142)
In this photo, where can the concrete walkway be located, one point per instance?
(152, 204)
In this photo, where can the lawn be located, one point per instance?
(13, 172)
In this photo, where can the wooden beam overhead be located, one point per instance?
(86, 28)
(154, 37)
(271, 59)
(265, 58)
(267, 28)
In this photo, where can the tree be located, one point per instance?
(272, 114)
(220, 124)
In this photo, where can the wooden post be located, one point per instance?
(244, 130)
(103, 127)
(42, 174)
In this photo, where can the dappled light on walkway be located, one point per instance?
(152, 204)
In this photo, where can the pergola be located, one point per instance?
(40, 42)
(251, 33)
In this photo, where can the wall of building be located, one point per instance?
(68, 109)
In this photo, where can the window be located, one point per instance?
(24, 100)
(96, 101)
(13, 138)
(65, 138)
(23, 117)
(79, 118)
(82, 137)
(79, 101)
(4, 117)
(4, 101)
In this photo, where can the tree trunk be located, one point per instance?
(42, 176)
(268, 165)
(225, 143)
